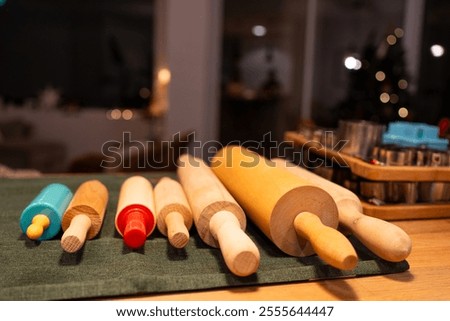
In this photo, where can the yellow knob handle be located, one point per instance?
(329, 244)
(39, 223)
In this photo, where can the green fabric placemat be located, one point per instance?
(106, 268)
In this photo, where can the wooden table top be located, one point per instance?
(427, 279)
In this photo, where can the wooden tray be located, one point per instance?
(370, 171)
(385, 173)
(394, 212)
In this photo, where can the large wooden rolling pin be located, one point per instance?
(299, 218)
(174, 216)
(83, 217)
(219, 219)
(385, 239)
(135, 219)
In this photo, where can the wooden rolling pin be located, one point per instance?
(385, 239)
(219, 220)
(83, 217)
(135, 219)
(299, 218)
(174, 216)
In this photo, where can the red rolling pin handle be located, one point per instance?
(135, 222)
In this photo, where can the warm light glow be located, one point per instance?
(391, 39)
(144, 93)
(403, 112)
(399, 32)
(116, 114)
(259, 31)
(393, 99)
(380, 76)
(437, 50)
(127, 114)
(164, 76)
(402, 84)
(384, 97)
(352, 63)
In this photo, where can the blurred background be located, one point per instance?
(127, 85)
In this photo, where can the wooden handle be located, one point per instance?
(74, 237)
(174, 215)
(177, 232)
(329, 244)
(239, 252)
(385, 239)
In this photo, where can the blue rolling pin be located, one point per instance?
(41, 219)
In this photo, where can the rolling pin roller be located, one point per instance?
(41, 219)
(219, 220)
(83, 218)
(299, 218)
(385, 239)
(135, 219)
(174, 216)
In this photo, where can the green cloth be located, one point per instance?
(105, 267)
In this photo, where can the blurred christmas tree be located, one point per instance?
(378, 82)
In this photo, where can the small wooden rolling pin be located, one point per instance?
(83, 218)
(174, 216)
(299, 218)
(385, 239)
(135, 219)
(41, 219)
(219, 220)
